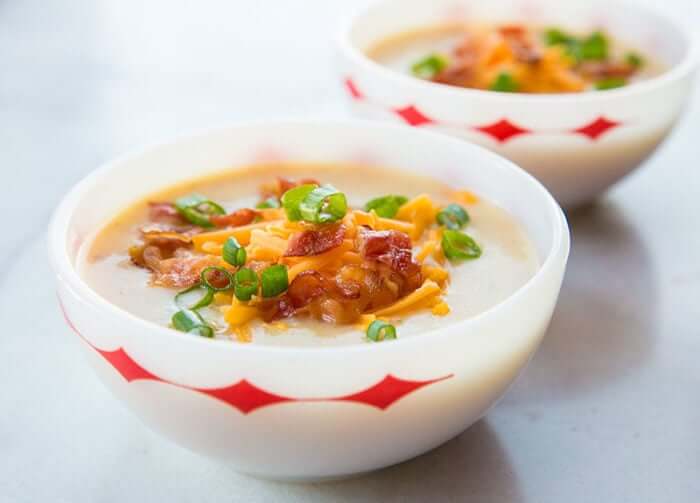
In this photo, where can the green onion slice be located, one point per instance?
(610, 83)
(387, 206)
(270, 202)
(379, 331)
(274, 280)
(633, 59)
(458, 246)
(453, 216)
(234, 253)
(291, 200)
(314, 204)
(217, 278)
(323, 205)
(203, 301)
(197, 209)
(504, 83)
(189, 321)
(430, 66)
(245, 284)
(594, 47)
(555, 36)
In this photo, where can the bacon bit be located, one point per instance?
(182, 270)
(165, 213)
(179, 269)
(606, 69)
(512, 30)
(244, 216)
(217, 278)
(168, 235)
(392, 248)
(306, 287)
(521, 45)
(277, 308)
(315, 242)
(460, 73)
(281, 185)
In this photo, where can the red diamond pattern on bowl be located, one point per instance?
(387, 391)
(597, 128)
(247, 397)
(352, 89)
(413, 116)
(503, 130)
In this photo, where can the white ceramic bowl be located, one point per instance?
(576, 144)
(313, 413)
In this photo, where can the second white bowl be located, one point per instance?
(576, 144)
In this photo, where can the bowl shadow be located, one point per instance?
(472, 466)
(604, 324)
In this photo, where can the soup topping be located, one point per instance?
(516, 58)
(304, 252)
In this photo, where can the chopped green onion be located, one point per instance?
(379, 331)
(234, 253)
(634, 59)
(387, 206)
(323, 205)
(196, 209)
(214, 274)
(291, 200)
(594, 47)
(453, 217)
(314, 204)
(203, 301)
(504, 83)
(555, 36)
(274, 280)
(245, 284)
(610, 83)
(458, 246)
(430, 66)
(270, 202)
(190, 321)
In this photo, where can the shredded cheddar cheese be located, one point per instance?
(427, 290)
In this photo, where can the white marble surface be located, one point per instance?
(608, 410)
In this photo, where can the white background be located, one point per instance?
(608, 410)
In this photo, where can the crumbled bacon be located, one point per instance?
(167, 234)
(244, 216)
(182, 270)
(512, 30)
(277, 308)
(520, 43)
(606, 69)
(392, 248)
(281, 185)
(164, 213)
(341, 298)
(305, 287)
(315, 242)
(218, 278)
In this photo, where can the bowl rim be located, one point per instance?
(65, 272)
(686, 66)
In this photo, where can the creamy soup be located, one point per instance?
(395, 237)
(514, 58)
